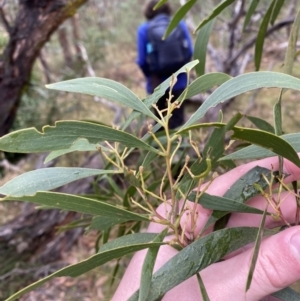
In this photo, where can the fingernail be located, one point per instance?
(295, 243)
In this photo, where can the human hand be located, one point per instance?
(278, 264)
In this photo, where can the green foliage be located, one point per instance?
(250, 12)
(79, 204)
(241, 191)
(149, 180)
(33, 181)
(106, 88)
(178, 16)
(261, 138)
(261, 124)
(261, 35)
(215, 12)
(255, 152)
(196, 257)
(255, 253)
(148, 267)
(51, 138)
(112, 250)
(241, 84)
(201, 45)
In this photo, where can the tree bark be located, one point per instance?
(34, 24)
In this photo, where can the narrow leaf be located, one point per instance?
(114, 187)
(250, 12)
(195, 257)
(217, 10)
(203, 83)
(269, 141)
(78, 204)
(256, 152)
(241, 191)
(103, 223)
(148, 267)
(103, 87)
(160, 3)
(222, 204)
(256, 249)
(178, 16)
(129, 240)
(261, 138)
(201, 46)
(80, 145)
(241, 84)
(63, 135)
(278, 125)
(277, 7)
(278, 115)
(112, 250)
(203, 291)
(261, 124)
(148, 159)
(47, 178)
(128, 194)
(114, 273)
(259, 44)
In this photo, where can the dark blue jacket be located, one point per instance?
(142, 41)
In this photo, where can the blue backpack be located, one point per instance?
(165, 57)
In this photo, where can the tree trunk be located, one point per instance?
(34, 24)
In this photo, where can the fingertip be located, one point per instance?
(295, 244)
(278, 264)
(277, 267)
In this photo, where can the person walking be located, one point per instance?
(159, 59)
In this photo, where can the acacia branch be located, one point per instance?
(250, 43)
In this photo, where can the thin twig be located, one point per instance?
(251, 42)
(4, 19)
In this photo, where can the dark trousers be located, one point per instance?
(177, 118)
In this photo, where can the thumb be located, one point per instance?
(277, 267)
